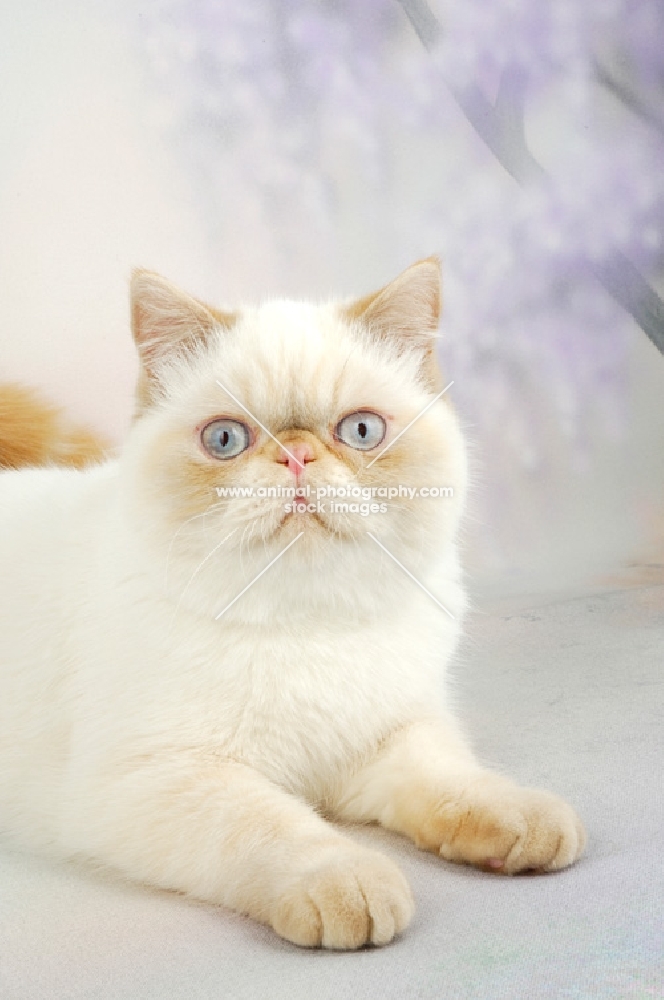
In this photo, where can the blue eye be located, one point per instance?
(362, 430)
(225, 438)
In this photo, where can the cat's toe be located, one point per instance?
(572, 839)
(346, 903)
(501, 827)
(553, 837)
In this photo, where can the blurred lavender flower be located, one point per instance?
(299, 102)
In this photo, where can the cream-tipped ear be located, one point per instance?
(406, 311)
(164, 320)
(409, 307)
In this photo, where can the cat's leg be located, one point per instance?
(425, 783)
(224, 833)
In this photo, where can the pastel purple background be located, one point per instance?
(318, 147)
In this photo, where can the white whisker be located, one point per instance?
(197, 570)
(204, 513)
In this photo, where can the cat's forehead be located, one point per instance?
(287, 357)
(292, 363)
(293, 331)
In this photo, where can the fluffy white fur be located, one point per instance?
(202, 755)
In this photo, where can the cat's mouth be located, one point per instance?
(312, 523)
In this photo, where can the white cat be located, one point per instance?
(190, 683)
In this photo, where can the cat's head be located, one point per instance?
(341, 401)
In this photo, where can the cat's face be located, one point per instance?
(285, 397)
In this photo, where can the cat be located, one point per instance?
(192, 685)
(34, 432)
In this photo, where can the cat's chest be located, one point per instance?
(300, 708)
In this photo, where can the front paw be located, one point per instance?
(351, 899)
(499, 826)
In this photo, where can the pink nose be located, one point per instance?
(296, 457)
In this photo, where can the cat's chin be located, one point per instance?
(309, 525)
(292, 524)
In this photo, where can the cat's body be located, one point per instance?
(188, 682)
(305, 721)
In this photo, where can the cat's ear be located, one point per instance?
(165, 320)
(406, 312)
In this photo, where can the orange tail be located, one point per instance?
(34, 432)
